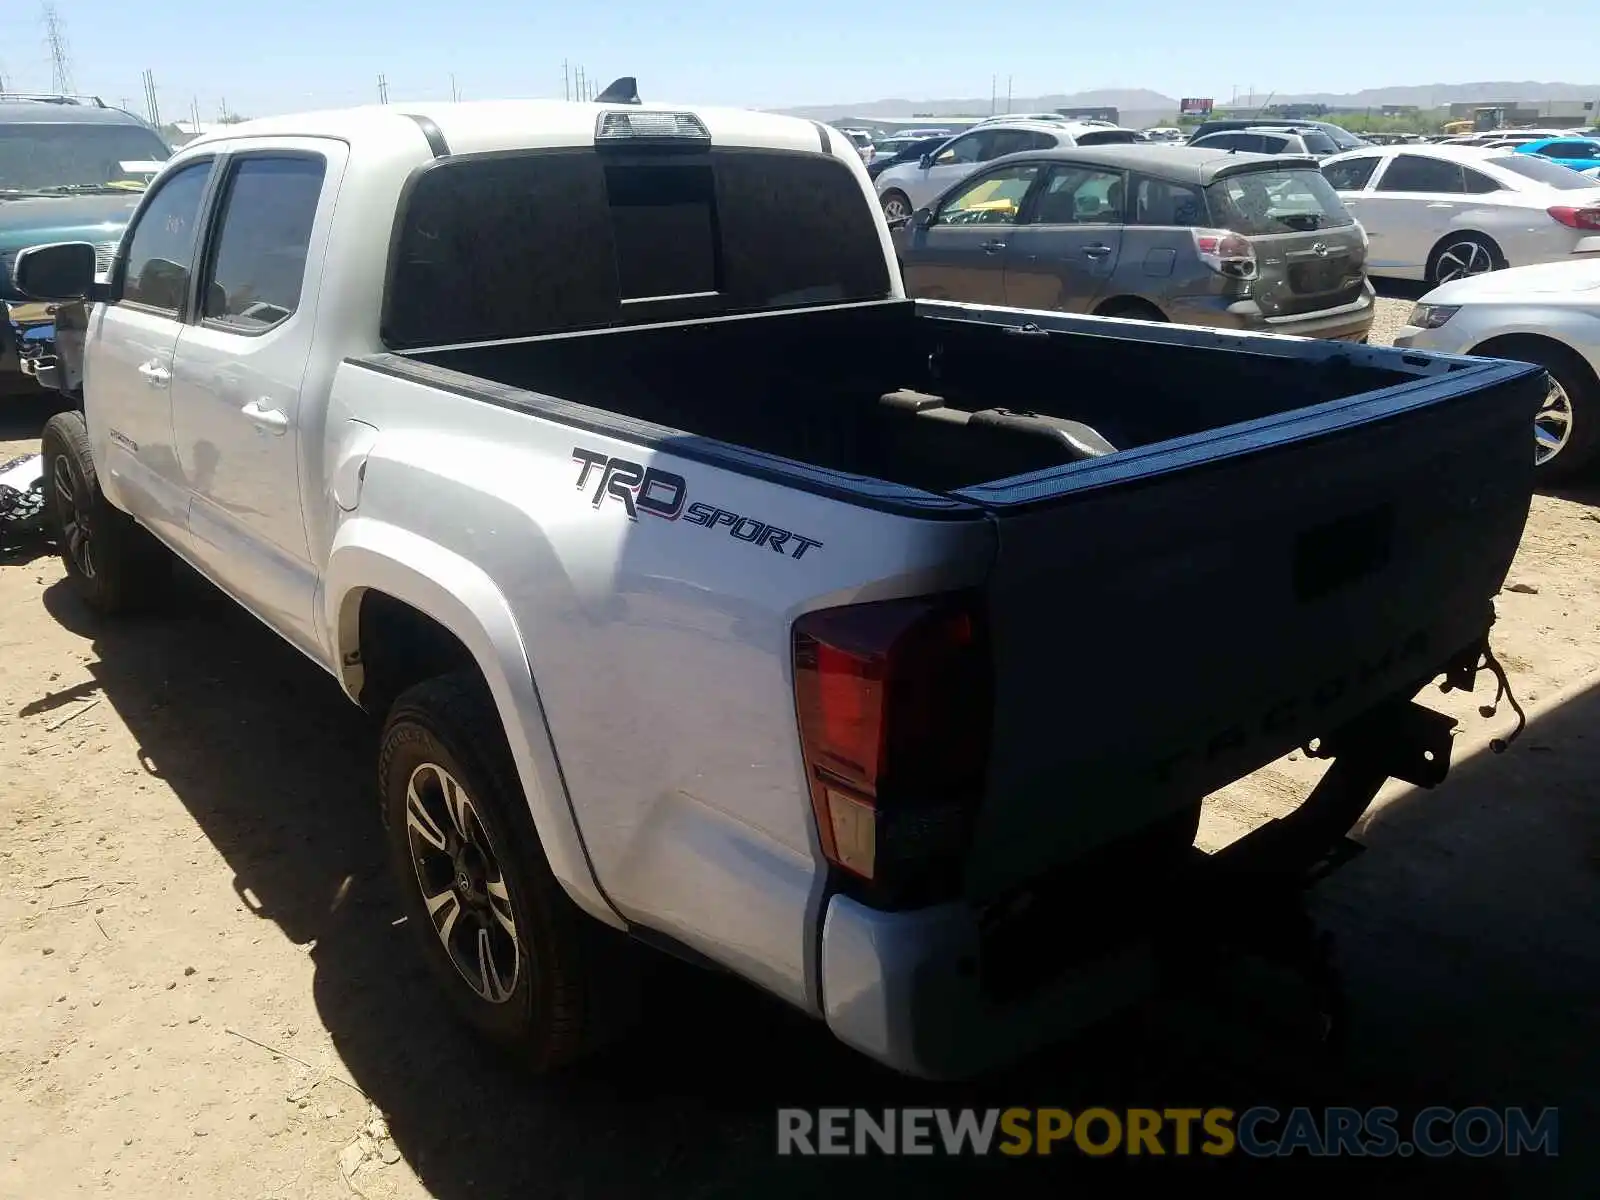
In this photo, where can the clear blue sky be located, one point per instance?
(298, 54)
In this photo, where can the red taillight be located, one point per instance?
(1225, 253)
(895, 703)
(1576, 218)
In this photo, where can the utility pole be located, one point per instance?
(455, 92)
(150, 104)
(222, 111)
(194, 112)
(55, 37)
(1008, 93)
(992, 81)
(566, 81)
(581, 96)
(383, 89)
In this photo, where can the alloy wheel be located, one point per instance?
(1552, 427)
(76, 530)
(463, 888)
(894, 208)
(1462, 260)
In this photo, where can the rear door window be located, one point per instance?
(1081, 195)
(1296, 200)
(1414, 173)
(513, 246)
(974, 147)
(259, 262)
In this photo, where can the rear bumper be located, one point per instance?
(1348, 323)
(904, 988)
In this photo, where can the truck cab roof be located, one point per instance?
(487, 126)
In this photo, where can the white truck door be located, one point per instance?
(129, 356)
(239, 366)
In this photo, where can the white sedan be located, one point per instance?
(905, 188)
(1438, 213)
(1549, 315)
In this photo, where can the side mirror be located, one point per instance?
(922, 218)
(58, 271)
(925, 161)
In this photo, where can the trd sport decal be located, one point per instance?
(662, 494)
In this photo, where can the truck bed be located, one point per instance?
(1283, 535)
(807, 385)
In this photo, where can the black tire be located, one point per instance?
(1448, 251)
(1572, 373)
(1131, 310)
(566, 995)
(894, 194)
(115, 565)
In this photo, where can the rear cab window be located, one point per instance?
(511, 246)
(1278, 200)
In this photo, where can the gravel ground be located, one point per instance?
(1386, 322)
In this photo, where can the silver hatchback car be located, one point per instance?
(1160, 233)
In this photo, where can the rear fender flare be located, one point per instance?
(372, 555)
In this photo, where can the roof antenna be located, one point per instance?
(620, 91)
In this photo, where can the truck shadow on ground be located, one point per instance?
(1467, 932)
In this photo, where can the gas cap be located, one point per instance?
(350, 463)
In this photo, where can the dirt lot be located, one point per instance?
(203, 991)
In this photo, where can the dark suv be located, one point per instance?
(1156, 233)
(71, 170)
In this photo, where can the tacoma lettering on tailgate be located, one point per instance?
(658, 493)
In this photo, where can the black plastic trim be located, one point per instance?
(436, 142)
(861, 490)
(822, 132)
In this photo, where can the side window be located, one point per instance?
(1081, 196)
(1478, 184)
(993, 200)
(969, 149)
(161, 247)
(1352, 174)
(259, 262)
(1012, 141)
(1221, 141)
(1158, 202)
(1413, 173)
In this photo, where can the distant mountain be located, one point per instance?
(1137, 105)
(1125, 99)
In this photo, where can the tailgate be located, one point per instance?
(1169, 619)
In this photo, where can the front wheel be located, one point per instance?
(896, 206)
(510, 950)
(112, 561)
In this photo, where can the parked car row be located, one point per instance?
(1218, 233)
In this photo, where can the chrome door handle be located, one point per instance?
(993, 247)
(155, 374)
(1097, 251)
(273, 420)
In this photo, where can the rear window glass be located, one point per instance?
(513, 246)
(1279, 201)
(1543, 170)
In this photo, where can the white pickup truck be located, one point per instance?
(718, 597)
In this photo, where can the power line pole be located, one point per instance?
(383, 89)
(581, 96)
(1008, 93)
(566, 81)
(993, 80)
(55, 37)
(455, 92)
(150, 104)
